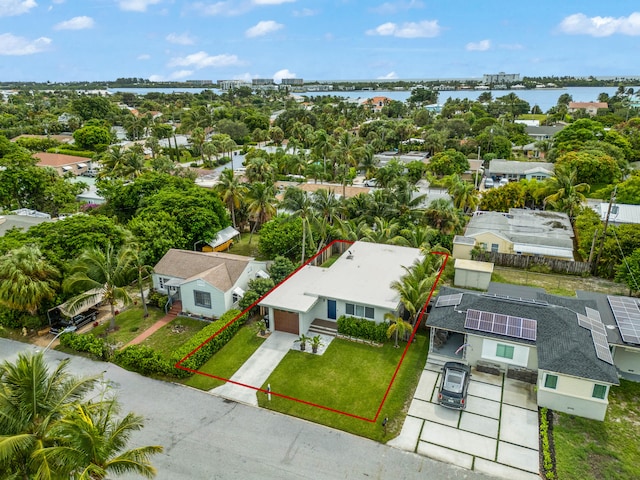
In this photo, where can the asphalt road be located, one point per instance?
(205, 437)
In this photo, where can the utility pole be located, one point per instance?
(604, 232)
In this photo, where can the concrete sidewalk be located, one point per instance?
(255, 371)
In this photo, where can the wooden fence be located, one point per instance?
(526, 262)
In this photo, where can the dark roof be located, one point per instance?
(562, 345)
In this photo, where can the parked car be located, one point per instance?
(488, 183)
(454, 385)
(59, 321)
(503, 181)
(371, 183)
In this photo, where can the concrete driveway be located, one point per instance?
(497, 434)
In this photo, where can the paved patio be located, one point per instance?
(497, 434)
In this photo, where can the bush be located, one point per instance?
(212, 345)
(143, 359)
(86, 343)
(72, 152)
(10, 318)
(156, 298)
(548, 463)
(362, 328)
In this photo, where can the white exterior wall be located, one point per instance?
(156, 282)
(472, 279)
(627, 359)
(484, 349)
(218, 305)
(572, 395)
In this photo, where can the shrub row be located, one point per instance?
(207, 350)
(86, 343)
(547, 456)
(145, 360)
(75, 153)
(362, 328)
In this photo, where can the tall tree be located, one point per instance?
(568, 196)
(300, 205)
(232, 191)
(101, 273)
(26, 279)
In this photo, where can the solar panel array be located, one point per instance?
(627, 315)
(516, 327)
(516, 299)
(449, 300)
(593, 323)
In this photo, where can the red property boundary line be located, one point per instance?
(299, 400)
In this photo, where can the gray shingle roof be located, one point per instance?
(562, 345)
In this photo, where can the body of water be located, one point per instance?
(545, 98)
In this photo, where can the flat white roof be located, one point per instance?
(473, 265)
(363, 274)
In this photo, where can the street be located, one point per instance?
(206, 437)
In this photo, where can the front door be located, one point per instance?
(331, 309)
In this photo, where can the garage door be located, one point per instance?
(286, 321)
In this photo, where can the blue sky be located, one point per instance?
(75, 40)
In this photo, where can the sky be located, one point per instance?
(164, 40)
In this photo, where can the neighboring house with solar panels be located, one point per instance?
(625, 339)
(357, 284)
(558, 343)
(206, 283)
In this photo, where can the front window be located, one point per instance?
(495, 247)
(504, 351)
(551, 381)
(359, 310)
(202, 299)
(599, 391)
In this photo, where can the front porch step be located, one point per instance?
(321, 330)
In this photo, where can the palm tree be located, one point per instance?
(232, 191)
(443, 216)
(322, 145)
(113, 161)
(26, 279)
(299, 204)
(398, 326)
(92, 442)
(32, 400)
(101, 273)
(143, 270)
(568, 195)
(465, 196)
(261, 199)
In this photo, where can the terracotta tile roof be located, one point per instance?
(219, 269)
(58, 159)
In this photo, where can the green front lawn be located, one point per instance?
(350, 377)
(592, 450)
(129, 323)
(228, 360)
(166, 340)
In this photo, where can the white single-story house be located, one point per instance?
(518, 232)
(558, 343)
(357, 284)
(619, 214)
(206, 283)
(514, 170)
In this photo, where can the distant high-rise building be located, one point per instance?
(501, 77)
(292, 81)
(201, 82)
(262, 81)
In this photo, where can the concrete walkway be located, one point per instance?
(152, 329)
(497, 434)
(255, 371)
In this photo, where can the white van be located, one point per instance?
(503, 181)
(488, 182)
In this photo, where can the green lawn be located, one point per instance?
(592, 450)
(130, 323)
(229, 359)
(242, 246)
(166, 340)
(352, 378)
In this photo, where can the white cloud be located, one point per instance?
(271, 2)
(180, 39)
(180, 74)
(12, 45)
(481, 46)
(228, 8)
(388, 76)
(423, 29)
(76, 23)
(284, 73)
(305, 12)
(580, 24)
(144, 56)
(203, 59)
(9, 8)
(388, 8)
(156, 78)
(136, 5)
(245, 77)
(262, 28)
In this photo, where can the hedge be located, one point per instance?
(145, 360)
(362, 328)
(86, 343)
(74, 153)
(207, 350)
